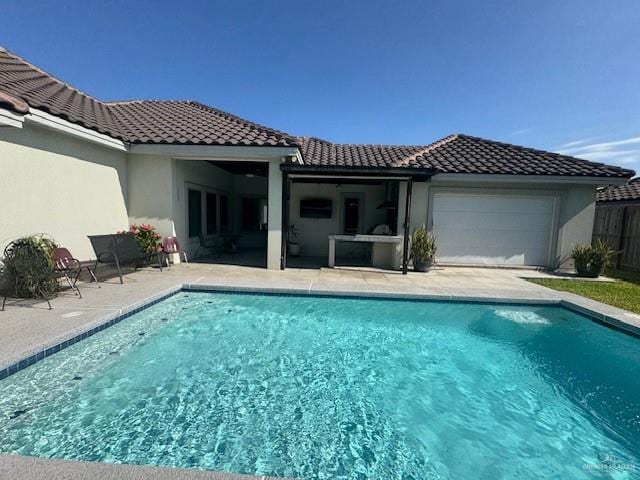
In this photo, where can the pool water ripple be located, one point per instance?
(313, 387)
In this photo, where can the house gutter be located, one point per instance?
(309, 171)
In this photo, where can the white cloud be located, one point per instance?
(575, 143)
(522, 131)
(624, 152)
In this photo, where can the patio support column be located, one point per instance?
(285, 221)
(407, 226)
(274, 221)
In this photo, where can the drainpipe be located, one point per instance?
(407, 221)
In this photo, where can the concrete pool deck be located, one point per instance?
(27, 329)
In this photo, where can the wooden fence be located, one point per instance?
(619, 227)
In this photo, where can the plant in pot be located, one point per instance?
(27, 268)
(590, 260)
(294, 245)
(423, 249)
(146, 237)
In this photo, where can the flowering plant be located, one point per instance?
(146, 237)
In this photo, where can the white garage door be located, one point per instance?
(493, 229)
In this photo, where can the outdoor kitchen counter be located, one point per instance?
(380, 257)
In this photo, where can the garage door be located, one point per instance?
(493, 229)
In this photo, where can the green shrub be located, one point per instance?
(423, 246)
(590, 260)
(147, 238)
(27, 268)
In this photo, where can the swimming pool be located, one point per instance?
(325, 387)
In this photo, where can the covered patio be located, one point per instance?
(348, 217)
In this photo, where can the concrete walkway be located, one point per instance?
(28, 328)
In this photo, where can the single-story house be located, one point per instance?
(72, 165)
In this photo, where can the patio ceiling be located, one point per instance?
(257, 169)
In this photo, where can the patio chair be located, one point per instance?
(121, 249)
(170, 245)
(71, 268)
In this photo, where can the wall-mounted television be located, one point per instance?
(316, 208)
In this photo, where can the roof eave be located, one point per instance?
(342, 171)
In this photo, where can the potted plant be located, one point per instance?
(590, 260)
(28, 269)
(294, 246)
(423, 249)
(146, 237)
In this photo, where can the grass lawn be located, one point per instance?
(623, 293)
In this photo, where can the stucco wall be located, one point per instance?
(150, 192)
(55, 184)
(577, 213)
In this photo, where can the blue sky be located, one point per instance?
(557, 75)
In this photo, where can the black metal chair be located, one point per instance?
(121, 249)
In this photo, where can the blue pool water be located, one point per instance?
(314, 387)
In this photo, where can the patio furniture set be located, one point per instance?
(116, 250)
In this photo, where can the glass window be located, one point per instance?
(351, 215)
(224, 213)
(194, 203)
(212, 213)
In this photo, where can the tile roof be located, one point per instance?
(170, 121)
(40, 90)
(319, 152)
(622, 193)
(141, 121)
(189, 122)
(456, 154)
(467, 154)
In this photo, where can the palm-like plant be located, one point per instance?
(590, 260)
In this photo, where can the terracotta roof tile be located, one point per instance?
(622, 193)
(141, 121)
(456, 154)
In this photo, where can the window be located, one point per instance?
(212, 213)
(224, 213)
(351, 215)
(250, 214)
(195, 212)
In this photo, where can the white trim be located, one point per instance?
(10, 119)
(544, 179)
(46, 120)
(212, 152)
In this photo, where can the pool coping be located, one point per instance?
(601, 313)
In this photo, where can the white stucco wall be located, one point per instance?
(274, 227)
(150, 185)
(64, 187)
(577, 213)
